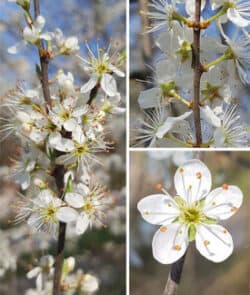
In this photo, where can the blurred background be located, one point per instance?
(200, 276)
(144, 54)
(99, 251)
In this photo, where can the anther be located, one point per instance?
(181, 170)
(163, 229)
(159, 186)
(206, 242)
(234, 209)
(225, 186)
(146, 212)
(198, 175)
(177, 247)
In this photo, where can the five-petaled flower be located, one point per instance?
(193, 214)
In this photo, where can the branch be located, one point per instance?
(174, 277)
(44, 61)
(197, 72)
(59, 170)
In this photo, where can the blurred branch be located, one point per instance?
(174, 277)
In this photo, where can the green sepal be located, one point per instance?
(209, 220)
(180, 202)
(191, 232)
(69, 185)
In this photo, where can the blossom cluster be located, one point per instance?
(59, 141)
(225, 70)
(71, 283)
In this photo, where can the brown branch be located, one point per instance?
(44, 62)
(174, 277)
(197, 72)
(59, 170)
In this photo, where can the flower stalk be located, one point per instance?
(197, 68)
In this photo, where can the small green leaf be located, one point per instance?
(69, 185)
(191, 232)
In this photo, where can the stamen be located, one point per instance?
(177, 247)
(225, 186)
(198, 175)
(163, 229)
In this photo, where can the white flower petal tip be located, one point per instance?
(75, 200)
(170, 243)
(66, 214)
(82, 224)
(223, 202)
(193, 181)
(214, 242)
(153, 209)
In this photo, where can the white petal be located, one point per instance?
(219, 137)
(39, 282)
(70, 124)
(193, 181)
(150, 98)
(90, 84)
(82, 223)
(170, 243)
(235, 17)
(222, 203)
(108, 85)
(15, 49)
(208, 115)
(46, 36)
(116, 70)
(67, 214)
(90, 284)
(214, 242)
(74, 200)
(33, 273)
(65, 145)
(170, 123)
(39, 22)
(158, 209)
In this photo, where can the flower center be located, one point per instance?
(192, 215)
(88, 207)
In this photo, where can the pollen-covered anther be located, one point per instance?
(234, 209)
(181, 170)
(225, 231)
(146, 212)
(213, 203)
(163, 229)
(206, 242)
(225, 186)
(159, 186)
(190, 187)
(177, 247)
(198, 175)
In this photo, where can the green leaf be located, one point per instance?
(69, 185)
(191, 232)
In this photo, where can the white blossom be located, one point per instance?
(192, 215)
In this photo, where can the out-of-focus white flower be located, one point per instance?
(67, 45)
(42, 272)
(101, 69)
(230, 132)
(239, 46)
(89, 205)
(191, 215)
(8, 260)
(40, 212)
(65, 82)
(32, 35)
(111, 105)
(157, 124)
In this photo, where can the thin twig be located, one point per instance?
(59, 170)
(174, 277)
(44, 62)
(197, 72)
